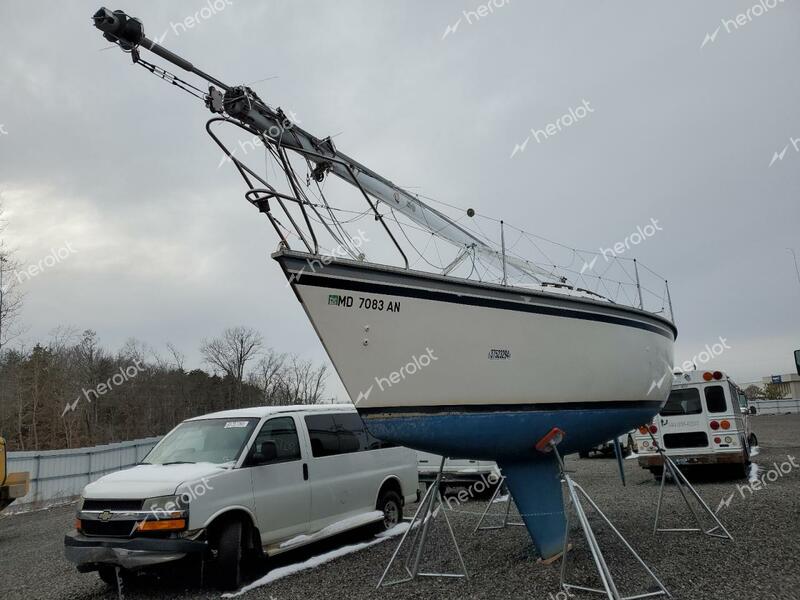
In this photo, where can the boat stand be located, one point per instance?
(429, 508)
(683, 485)
(549, 444)
(120, 585)
(501, 485)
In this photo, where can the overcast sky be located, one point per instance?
(691, 125)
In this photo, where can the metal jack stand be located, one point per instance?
(548, 444)
(683, 485)
(428, 508)
(501, 485)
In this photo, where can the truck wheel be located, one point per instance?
(229, 556)
(658, 472)
(109, 575)
(391, 505)
(752, 440)
(584, 454)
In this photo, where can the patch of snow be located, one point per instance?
(503, 498)
(334, 528)
(753, 476)
(31, 507)
(316, 561)
(755, 451)
(633, 455)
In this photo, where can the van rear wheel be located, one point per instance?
(391, 505)
(229, 556)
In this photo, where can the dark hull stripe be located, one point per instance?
(394, 290)
(504, 408)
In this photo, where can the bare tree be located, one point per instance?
(231, 352)
(10, 295)
(268, 375)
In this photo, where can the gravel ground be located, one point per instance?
(762, 562)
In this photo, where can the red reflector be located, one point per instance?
(714, 425)
(708, 376)
(717, 440)
(555, 435)
(653, 429)
(717, 375)
(725, 424)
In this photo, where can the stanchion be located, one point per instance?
(549, 443)
(429, 507)
(683, 485)
(501, 485)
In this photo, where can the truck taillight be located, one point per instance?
(714, 425)
(643, 429)
(653, 429)
(78, 524)
(725, 424)
(717, 440)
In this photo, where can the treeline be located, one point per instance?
(71, 392)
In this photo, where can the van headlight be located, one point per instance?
(166, 504)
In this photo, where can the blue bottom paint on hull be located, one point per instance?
(509, 437)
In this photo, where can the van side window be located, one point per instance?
(323, 434)
(352, 434)
(341, 433)
(281, 435)
(715, 399)
(682, 402)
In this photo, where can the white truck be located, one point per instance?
(706, 421)
(255, 481)
(459, 473)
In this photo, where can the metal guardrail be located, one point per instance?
(777, 407)
(62, 474)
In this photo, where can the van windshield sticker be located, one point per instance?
(236, 424)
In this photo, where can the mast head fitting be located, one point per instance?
(119, 28)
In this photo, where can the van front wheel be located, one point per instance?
(391, 505)
(229, 556)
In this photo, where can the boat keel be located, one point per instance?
(535, 486)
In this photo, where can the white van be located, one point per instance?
(255, 480)
(706, 421)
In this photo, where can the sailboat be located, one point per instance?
(438, 361)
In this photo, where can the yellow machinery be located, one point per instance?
(12, 485)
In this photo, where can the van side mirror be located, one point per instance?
(265, 453)
(752, 410)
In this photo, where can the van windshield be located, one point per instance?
(216, 441)
(682, 402)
